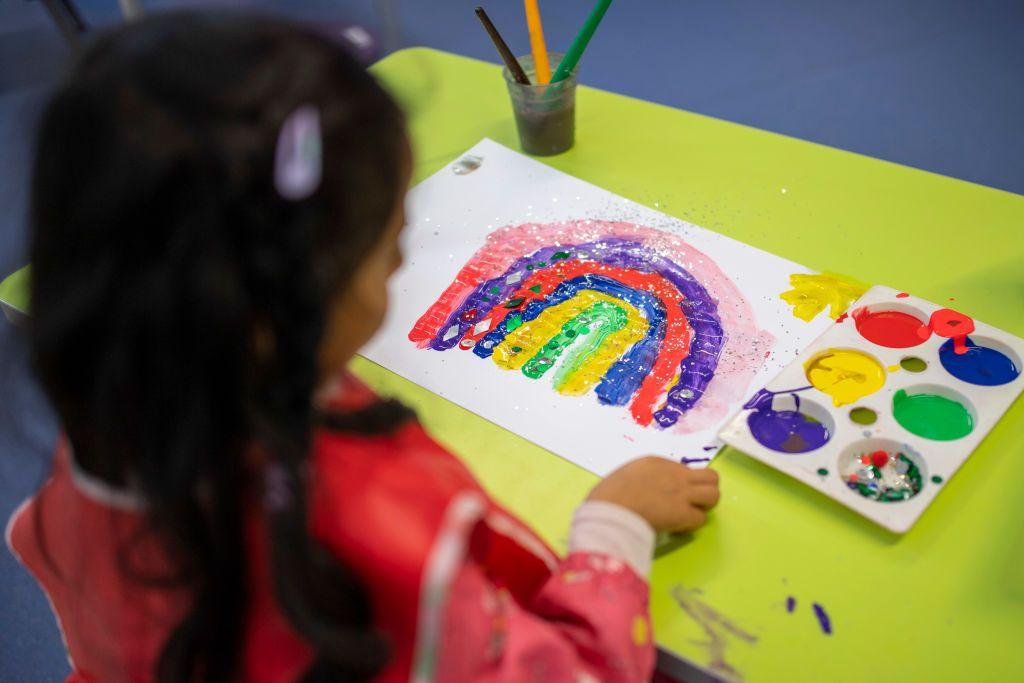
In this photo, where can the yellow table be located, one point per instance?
(945, 602)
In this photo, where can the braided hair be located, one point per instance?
(161, 252)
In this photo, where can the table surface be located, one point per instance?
(942, 602)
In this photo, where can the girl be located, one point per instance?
(217, 206)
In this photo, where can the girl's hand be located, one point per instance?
(670, 496)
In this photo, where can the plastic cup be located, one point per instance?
(545, 114)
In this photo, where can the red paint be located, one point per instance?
(468, 315)
(879, 459)
(902, 295)
(841, 318)
(946, 322)
(892, 329)
(852, 478)
(865, 459)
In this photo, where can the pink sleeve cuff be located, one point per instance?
(610, 529)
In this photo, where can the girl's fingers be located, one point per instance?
(704, 476)
(695, 518)
(704, 496)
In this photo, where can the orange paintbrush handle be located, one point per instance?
(537, 45)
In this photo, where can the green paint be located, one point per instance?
(495, 289)
(603, 318)
(559, 255)
(936, 479)
(822, 471)
(931, 416)
(613, 319)
(541, 264)
(516, 349)
(513, 321)
(514, 303)
(535, 288)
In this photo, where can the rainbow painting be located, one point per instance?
(588, 324)
(633, 315)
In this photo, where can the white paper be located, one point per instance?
(450, 217)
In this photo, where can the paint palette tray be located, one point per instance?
(883, 408)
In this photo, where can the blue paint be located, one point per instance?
(823, 620)
(790, 604)
(980, 365)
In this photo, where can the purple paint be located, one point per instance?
(823, 620)
(688, 461)
(786, 431)
(706, 343)
(790, 604)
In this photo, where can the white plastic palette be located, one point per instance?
(827, 467)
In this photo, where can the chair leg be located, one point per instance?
(68, 20)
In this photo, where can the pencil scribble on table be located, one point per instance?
(719, 629)
(634, 315)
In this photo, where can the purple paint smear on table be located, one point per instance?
(823, 620)
(790, 604)
(687, 461)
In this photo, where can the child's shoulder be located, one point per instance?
(380, 479)
(381, 502)
(402, 457)
(384, 446)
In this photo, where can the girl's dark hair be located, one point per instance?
(161, 253)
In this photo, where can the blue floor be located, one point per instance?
(934, 84)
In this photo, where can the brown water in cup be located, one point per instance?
(546, 133)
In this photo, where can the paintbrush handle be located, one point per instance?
(575, 51)
(537, 45)
(506, 55)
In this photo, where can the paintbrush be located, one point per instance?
(506, 54)
(575, 51)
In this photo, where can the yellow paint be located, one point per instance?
(811, 294)
(640, 631)
(845, 375)
(593, 368)
(894, 368)
(533, 335)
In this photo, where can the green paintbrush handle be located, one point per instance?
(575, 51)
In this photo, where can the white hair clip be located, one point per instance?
(298, 162)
